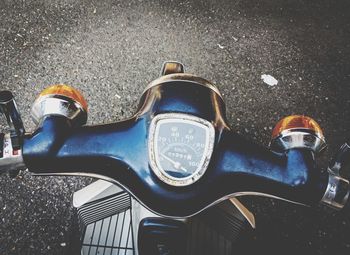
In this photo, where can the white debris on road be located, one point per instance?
(269, 80)
(220, 46)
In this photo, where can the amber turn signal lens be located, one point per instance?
(297, 122)
(67, 91)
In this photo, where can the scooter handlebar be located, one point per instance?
(118, 152)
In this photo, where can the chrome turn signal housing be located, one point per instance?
(297, 131)
(60, 100)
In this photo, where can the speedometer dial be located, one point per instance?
(180, 147)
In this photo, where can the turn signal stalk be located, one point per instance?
(61, 100)
(297, 131)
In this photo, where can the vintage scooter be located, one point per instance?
(171, 175)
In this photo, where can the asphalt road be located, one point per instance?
(110, 50)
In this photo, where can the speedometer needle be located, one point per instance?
(176, 164)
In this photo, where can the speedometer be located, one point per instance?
(180, 147)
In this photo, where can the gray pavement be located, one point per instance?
(110, 50)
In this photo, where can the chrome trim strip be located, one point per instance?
(183, 77)
(237, 194)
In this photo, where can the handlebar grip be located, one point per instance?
(346, 208)
(345, 211)
(346, 192)
(2, 136)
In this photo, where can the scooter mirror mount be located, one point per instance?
(337, 192)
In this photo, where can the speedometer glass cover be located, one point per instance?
(180, 147)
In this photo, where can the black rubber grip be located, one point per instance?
(5, 96)
(2, 135)
(346, 207)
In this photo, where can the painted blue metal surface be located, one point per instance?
(119, 152)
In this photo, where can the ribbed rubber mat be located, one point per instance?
(106, 225)
(103, 208)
